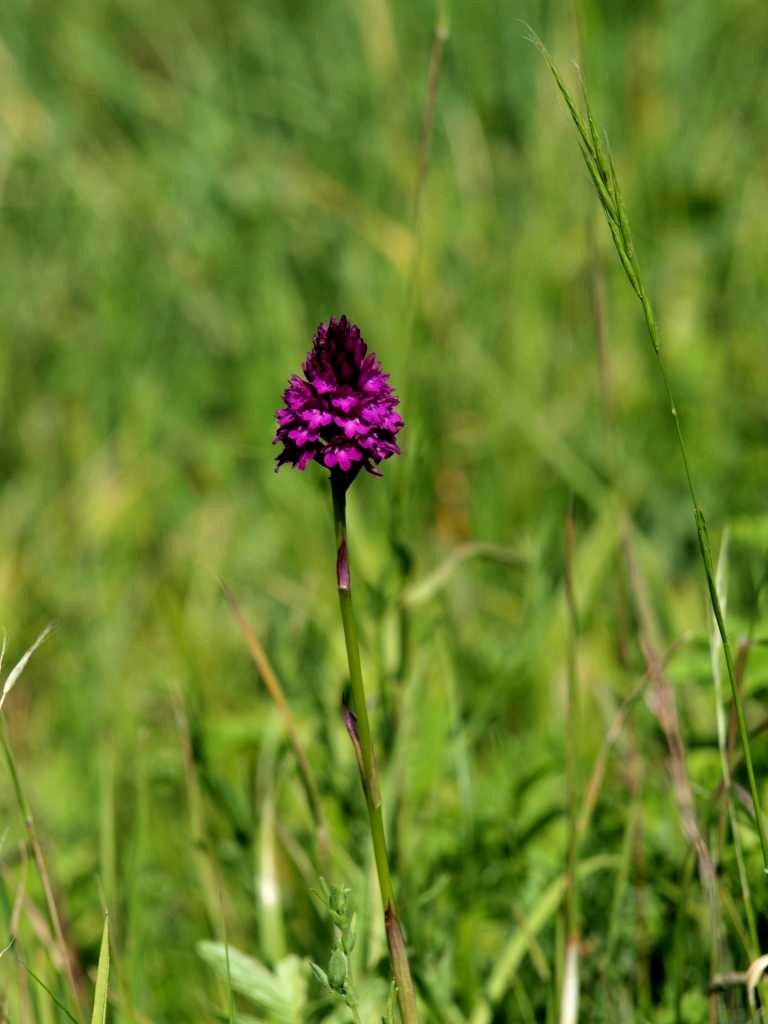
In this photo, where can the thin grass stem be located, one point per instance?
(428, 117)
(603, 174)
(722, 742)
(42, 870)
(570, 991)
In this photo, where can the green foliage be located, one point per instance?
(280, 994)
(185, 192)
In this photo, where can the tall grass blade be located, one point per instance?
(569, 1002)
(40, 864)
(603, 174)
(99, 1015)
(57, 1002)
(722, 742)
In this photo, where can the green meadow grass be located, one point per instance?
(186, 190)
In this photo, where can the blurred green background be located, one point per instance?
(186, 190)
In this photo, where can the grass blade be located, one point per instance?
(603, 174)
(21, 664)
(99, 1014)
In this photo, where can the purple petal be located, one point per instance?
(301, 435)
(343, 385)
(345, 400)
(352, 427)
(316, 417)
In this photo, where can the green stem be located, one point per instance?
(706, 557)
(367, 762)
(569, 986)
(571, 739)
(603, 174)
(42, 870)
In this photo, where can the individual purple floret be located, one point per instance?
(343, 413)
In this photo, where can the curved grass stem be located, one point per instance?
(603, 174)
(42, 869)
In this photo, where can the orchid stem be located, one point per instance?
(360, 731)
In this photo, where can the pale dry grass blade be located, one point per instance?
(664, 707)
(429, 586)
(750, 979)
(755, 971)
(275, 691)
(65, 952)
(569, 1005)
(21, 664)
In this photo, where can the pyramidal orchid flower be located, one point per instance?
(343, 414)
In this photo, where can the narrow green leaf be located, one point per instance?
(99, 1014)
(70, 1017)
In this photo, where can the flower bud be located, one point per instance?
(337, 970)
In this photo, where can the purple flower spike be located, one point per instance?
(343, 413)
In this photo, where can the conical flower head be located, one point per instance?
(343, 412)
